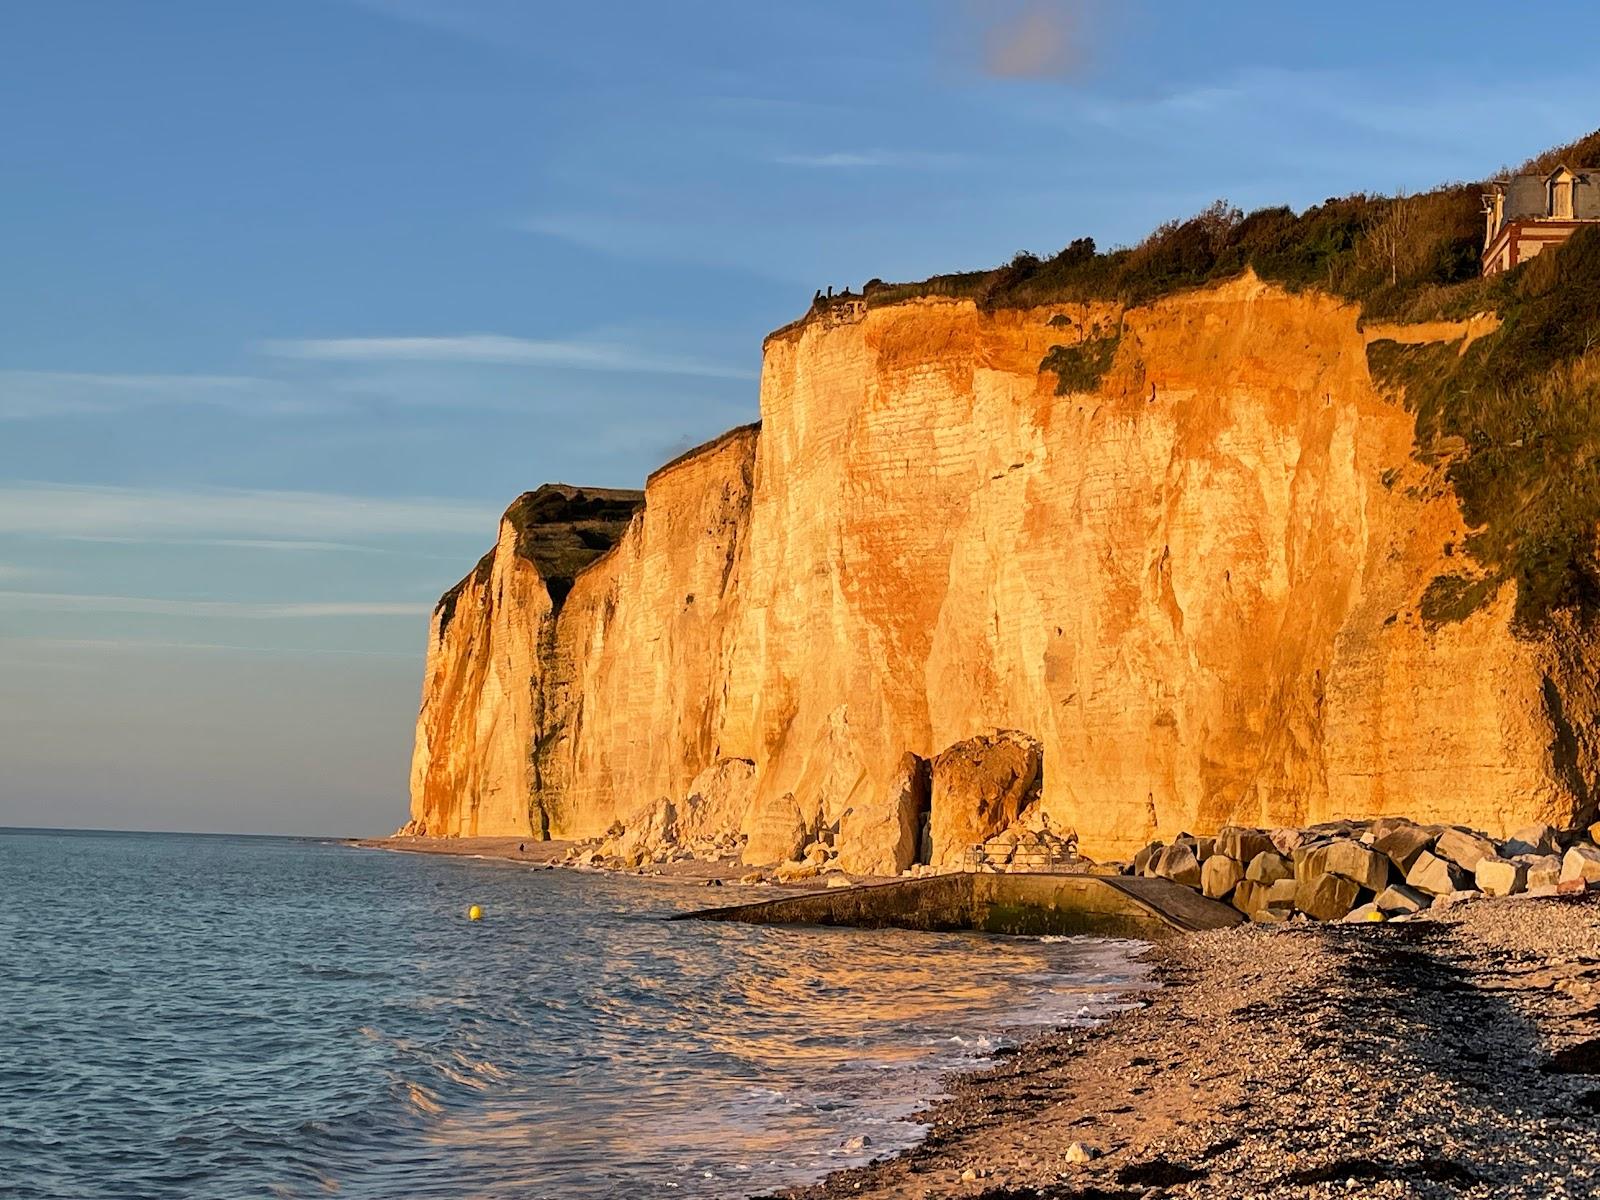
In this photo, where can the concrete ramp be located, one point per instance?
(1029, 904)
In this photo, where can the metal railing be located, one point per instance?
(1061, 857)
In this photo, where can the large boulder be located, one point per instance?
(1179, 864)
(1532, 839)
(718, 799)
(1463, 847)
(1500, 876)
(1253, 899)
(1350, 859)
(1143, 858)
(879, 837)
(1219, 875)
(1401, 842)
(1384, 826)
(775, 831)
(1242, 844)
(1287, 841)
(1326, 897)
(1397, 898)
(1436, 876)
(1582, 863)
(979, 787)
(1544, 870)
(1268, 867)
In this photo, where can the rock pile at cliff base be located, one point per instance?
(1371, 870)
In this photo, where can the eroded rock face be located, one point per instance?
(718, 799)
(880, 836)
(980, 786)
(1197, 586)
(775, 831)
(482, 690)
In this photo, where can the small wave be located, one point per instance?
(421, 1099)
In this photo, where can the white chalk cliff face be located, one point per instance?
(1195, 585)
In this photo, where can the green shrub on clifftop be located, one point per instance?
(1516, 420)
(1079, 368)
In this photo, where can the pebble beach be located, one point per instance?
(1451, 1055)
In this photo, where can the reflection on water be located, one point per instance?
(219, 1016)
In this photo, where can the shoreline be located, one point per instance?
(1456, 1053)
(551, 855)
(1441, 1057)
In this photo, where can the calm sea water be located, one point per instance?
(229, 1017)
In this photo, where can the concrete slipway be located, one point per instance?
(1030, 904)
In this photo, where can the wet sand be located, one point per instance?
(1440, 1057)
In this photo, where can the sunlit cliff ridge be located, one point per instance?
(1192, 571)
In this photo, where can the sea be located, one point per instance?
(218, 1017)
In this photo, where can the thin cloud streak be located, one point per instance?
(499, 349)
(73, 602)
(86, 511)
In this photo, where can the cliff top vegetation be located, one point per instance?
(560, 529)
(1401, 257)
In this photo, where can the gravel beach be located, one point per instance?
(1445, 1056)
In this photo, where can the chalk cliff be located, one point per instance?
(484, 686)
(1194, 581)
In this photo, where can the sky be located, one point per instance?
(296, 297)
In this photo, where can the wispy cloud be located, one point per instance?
(30, 395)
(74, 602)
(761, 249)
(494, 348)
(909, 160)
(237, 515)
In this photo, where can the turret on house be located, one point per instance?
(1529, 213)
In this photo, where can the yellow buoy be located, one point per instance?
(474, 913)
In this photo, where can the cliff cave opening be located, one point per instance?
(923, 824)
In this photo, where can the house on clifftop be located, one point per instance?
(1527, 213)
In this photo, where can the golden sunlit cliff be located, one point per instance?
(1197, 585)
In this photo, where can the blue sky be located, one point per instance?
(297, 296)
